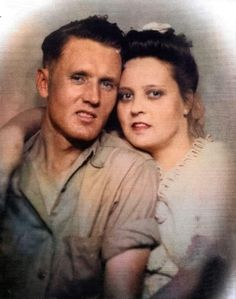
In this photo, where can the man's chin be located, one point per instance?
(82, 142)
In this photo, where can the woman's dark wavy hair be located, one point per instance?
(174, 50)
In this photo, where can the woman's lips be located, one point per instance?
(139, 126)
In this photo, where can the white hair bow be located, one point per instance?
(161, 27)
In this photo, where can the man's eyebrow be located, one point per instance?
(82, 73)
(111, 79)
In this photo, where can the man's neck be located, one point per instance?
(55, 153)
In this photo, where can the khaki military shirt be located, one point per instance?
(105, 207)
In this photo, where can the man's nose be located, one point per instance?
(92, 94)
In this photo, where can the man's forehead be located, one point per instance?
(91, 56)
(79, 44)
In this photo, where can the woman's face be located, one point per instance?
(150, 107)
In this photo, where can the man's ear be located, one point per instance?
(42, 81)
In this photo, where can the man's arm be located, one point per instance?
(124, 274)
(131, 229)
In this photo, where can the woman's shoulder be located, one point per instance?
(216, 153)
(208, 160)
(215, 167)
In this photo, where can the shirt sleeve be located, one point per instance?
(131, 223)
(4, 180)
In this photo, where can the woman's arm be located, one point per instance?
(204, 283)
(12, 137)
(202, 275)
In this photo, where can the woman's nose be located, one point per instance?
(137, 106)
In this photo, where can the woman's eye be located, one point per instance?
(154, 94)
(124, 96)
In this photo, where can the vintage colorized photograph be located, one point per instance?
(117, 149)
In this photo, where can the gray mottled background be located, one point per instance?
(210, 24)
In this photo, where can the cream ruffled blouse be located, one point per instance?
(195, 201)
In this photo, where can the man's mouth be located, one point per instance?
(86, 116)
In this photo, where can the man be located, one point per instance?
(80, 196)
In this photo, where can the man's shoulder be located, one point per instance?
(118, 150)
(112, 141)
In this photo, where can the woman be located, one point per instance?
(160, 113)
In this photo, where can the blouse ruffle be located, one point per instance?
(166, 179)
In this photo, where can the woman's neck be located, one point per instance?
(173, 152)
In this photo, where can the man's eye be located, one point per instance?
(124, 96)
(79, 79)
(108, 85)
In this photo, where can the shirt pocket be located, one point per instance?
(77, 267)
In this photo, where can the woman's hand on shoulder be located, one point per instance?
(12, 137)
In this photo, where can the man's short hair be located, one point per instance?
(96, 28)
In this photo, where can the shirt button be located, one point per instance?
(63, 189)
(42, 275)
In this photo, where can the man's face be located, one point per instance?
(81, 88)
